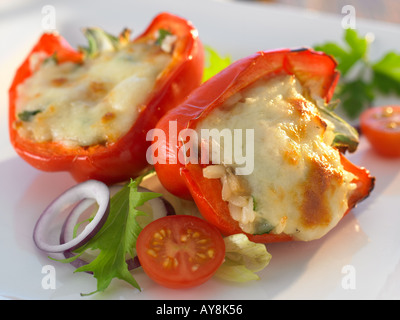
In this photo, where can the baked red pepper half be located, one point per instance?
(111, 156)
(316, 72)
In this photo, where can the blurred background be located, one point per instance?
(383, 10)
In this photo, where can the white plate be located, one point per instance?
(365, 245)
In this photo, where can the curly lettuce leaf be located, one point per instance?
(117, 238)
(243, 258)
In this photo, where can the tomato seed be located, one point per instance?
(387, 112)
(195, 267)
(152, 253)
(157, 236)
(170, 262)
(196, 234)
(201, 255)
(392, 125)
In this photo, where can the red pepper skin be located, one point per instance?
(363, 179)
(316, 71)
(125, 158)
(207, 195)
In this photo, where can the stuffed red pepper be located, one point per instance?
(87, 111)
(295, 182)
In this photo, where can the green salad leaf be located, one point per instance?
(362, 80)
(243, 258)
(116, 240)
(214, 62)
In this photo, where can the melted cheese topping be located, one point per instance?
(298, 183)
(91, 103)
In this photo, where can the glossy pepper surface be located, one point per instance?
(316, 72)
(125, 158)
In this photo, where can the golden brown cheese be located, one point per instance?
(298, 186)
(91, 103)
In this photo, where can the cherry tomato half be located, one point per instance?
(381, 127)
(180, 251)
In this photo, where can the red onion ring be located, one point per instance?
(91, 189)
(160, 208)
(67, 231)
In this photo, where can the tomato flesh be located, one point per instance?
(180, 251)
(381, 127)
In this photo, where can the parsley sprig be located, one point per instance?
(362, 80)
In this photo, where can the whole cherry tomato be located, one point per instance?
(381, 127)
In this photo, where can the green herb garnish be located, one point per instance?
(254, 203)
(362, 80)
(262, 226)
(99, 41)
(346, 136)
(27, 115)
(162, 34)
(53, 58)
